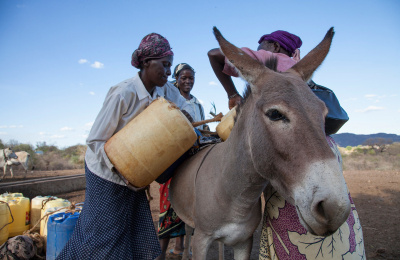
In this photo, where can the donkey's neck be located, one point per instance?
(238, 177)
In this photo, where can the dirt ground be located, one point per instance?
(376, 195)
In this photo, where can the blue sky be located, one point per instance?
(58, 59)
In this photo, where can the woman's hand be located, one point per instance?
(235, 100)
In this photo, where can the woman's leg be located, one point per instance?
(164, 245)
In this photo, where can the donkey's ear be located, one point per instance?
(306, 66)
(248, 68)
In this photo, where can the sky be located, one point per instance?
(58, 59)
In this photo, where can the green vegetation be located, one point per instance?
(52, 158)
(368, 157)
(371, 157)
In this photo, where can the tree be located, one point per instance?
(42, 146)
(379, 144)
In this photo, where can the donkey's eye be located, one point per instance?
(275, 115)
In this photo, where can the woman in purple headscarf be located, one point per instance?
(116, 221)
(282, 45)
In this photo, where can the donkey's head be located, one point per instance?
(281, 125)
(9, 153)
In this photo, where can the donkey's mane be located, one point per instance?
(272, 64)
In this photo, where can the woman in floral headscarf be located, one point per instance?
(116, 221)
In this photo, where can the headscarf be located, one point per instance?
(152, 46)
(179, 68)
(288, 41)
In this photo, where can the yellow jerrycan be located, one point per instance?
(150, 143)
(50, 207)
(224, 128)
(20, 210)
(4, 213)
(36, 208)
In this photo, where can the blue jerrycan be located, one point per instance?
(59, 229)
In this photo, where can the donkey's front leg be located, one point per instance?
(242, 250)
(200, 245)
(186, 250)
(4, 171)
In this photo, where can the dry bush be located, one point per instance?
(364, 158)
(51, 161)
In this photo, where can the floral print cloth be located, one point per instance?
(283, 237)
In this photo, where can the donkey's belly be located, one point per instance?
(182, 187)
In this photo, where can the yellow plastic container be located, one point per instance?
(50, 207)
(5, 196)
(20, 209)
(4, 212)
(150, 143)
(224, 128)
(36, 208)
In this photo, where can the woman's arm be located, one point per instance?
(105, 126)
(217, 61)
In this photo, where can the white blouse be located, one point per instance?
(123, 102)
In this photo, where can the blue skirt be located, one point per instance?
(115, 223)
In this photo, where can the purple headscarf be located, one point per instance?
(152, 45)
(288, 41)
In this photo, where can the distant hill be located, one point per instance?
(347, 139)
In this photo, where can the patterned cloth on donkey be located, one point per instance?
(169, 225)
(283, 237)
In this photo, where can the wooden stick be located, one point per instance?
(215, 119)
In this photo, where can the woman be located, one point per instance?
(184, 76)
(116, 221)
(170, 225)
(283, 237)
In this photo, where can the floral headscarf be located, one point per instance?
(152, 45)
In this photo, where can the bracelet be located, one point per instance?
(234, 95)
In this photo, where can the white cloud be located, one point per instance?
(3, 133)
(88, 126)
(92, 93)
(97, 65)
(57, 136)
(370, 108)
(82, 61)
(3, 126)
(213, 83)
(84, 136)
(370, 95)
(66, 128)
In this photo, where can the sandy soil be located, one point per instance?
(376, 195)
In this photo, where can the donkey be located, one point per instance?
(6, 154)
(278, 138)
(23, 160)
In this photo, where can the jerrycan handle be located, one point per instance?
(10, 214)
